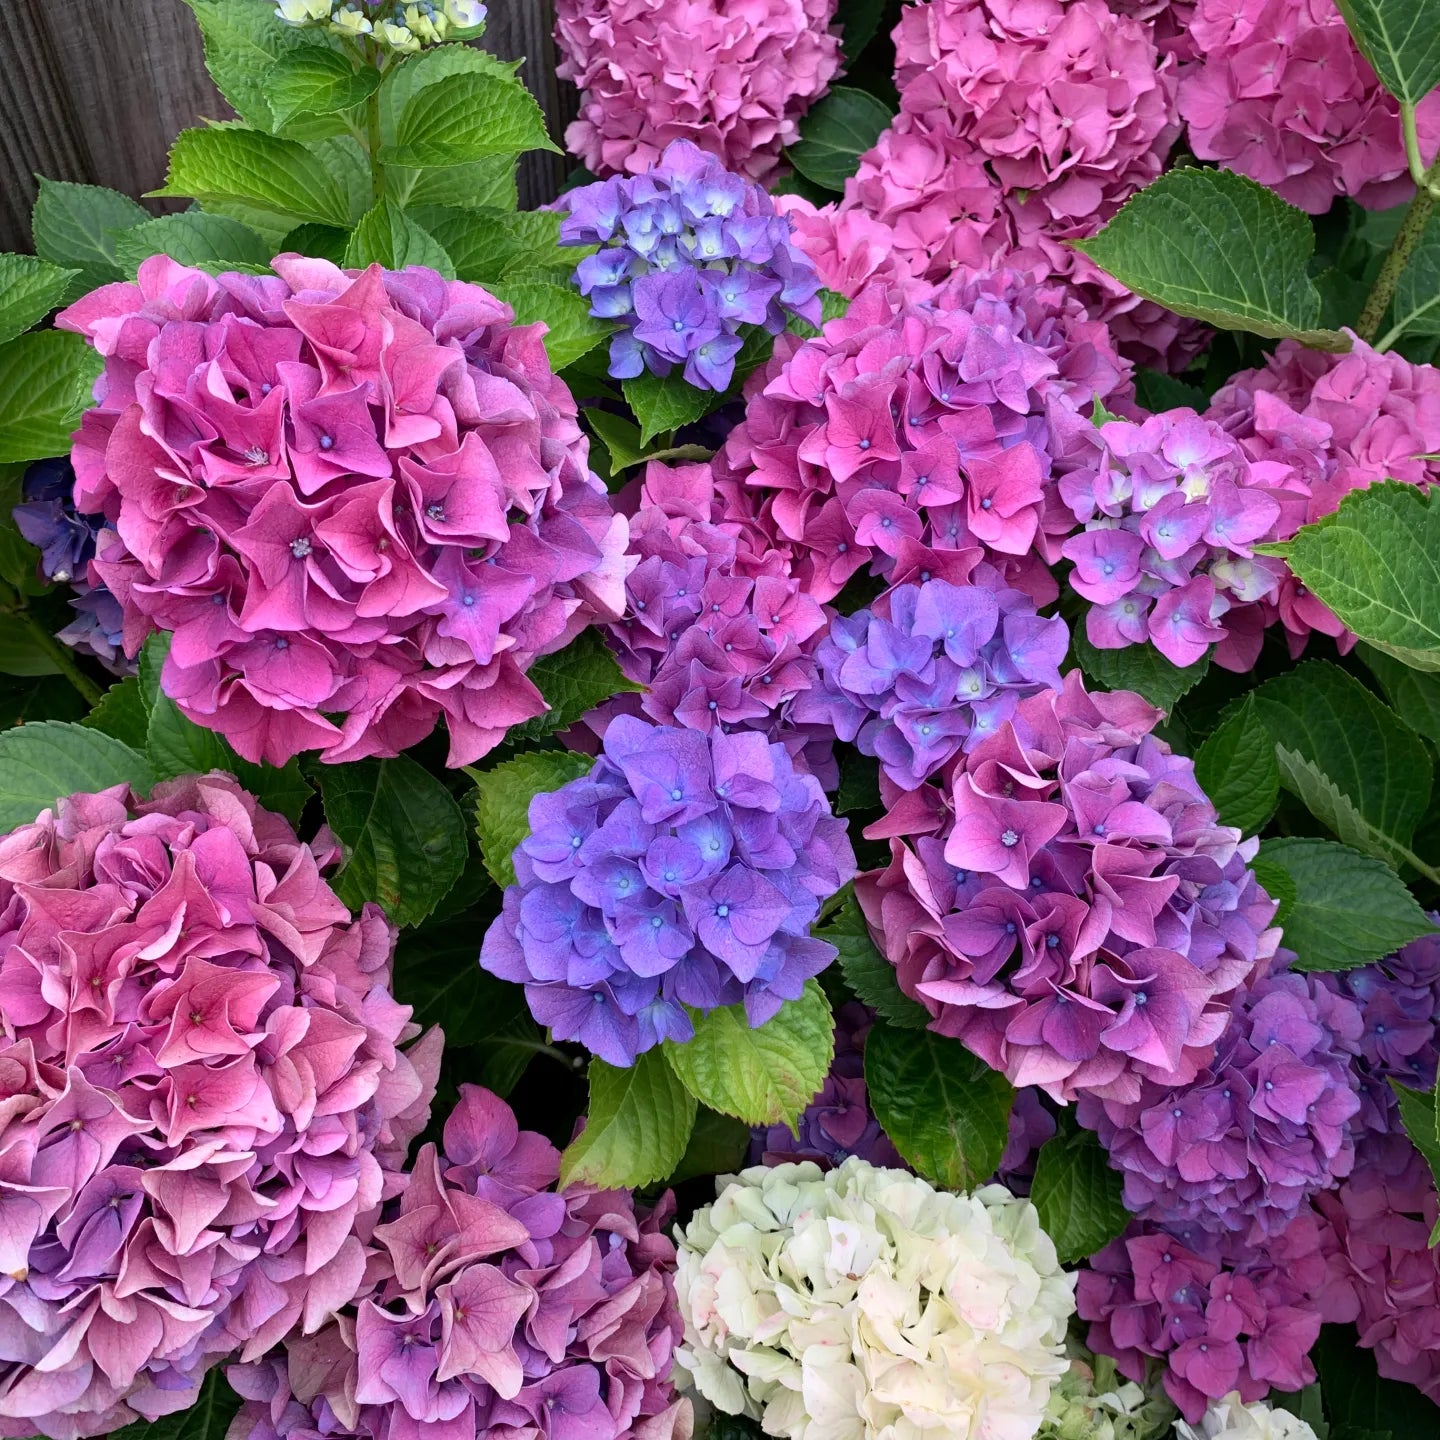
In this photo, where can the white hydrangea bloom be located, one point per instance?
(1232, 1419)
(864, 1304)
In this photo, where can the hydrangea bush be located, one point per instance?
(792, 794)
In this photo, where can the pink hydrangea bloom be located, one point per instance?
(492, 1306)
(734, 76)
(916, 435)
(1067, 903)
(202, 1099)
(360, 496)
(1280, 93)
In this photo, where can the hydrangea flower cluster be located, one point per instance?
(401, 26)
(354, 498)
(1232, 1419)
(913, 431)
(1280, 93)
(1221, 1319)
(1069, 905)
(1263, 1128)
(1093, 1402)
(864, 1302)
(734, 79)
(684, 870)
(1171, 508)
(689, 254)
(932, 670)
(492, 1306)
(202, 1099)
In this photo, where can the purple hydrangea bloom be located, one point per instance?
(684, 870)
(1263, 1127)
(933, 669)
(689, 253)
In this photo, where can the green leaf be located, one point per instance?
(122, 712)
(1376, 563)
(1414, 694)
(404, 835)
(1348, 908)
(636, 1128)
(858, 21)
(947, 1112)
(264, 171)
(1418, 1115)
(22, 651)
(487, 184)
(46, 379)
(1244, 263)
(76, 226)
(661, 405)
(317, 81)
(1154, 390)
(765, 1076)
(42, 762)
(207, 1418)
(570, 329)
(387, 236)
(466, 117)
(836, 133)
(1077, 1194)
(1359, 1400)
(487, 244)
(1141, 668)
(437, 972)
(214, 242)
(573, 680)
(1236, 768)
(323, 242)
(718, 1144)
(38, 697)
(870, 976)
(29, 290)
(404, 81)
(619, 437)
(1353, 762)
(1401, 40)
(1416, 307)
(502, 802)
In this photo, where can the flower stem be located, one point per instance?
(372, 147)
(1367, 327)
(63, 659)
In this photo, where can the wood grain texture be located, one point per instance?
(524, 28)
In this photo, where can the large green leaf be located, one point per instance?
(1141, 668)
(487, 244)
(29, 290)
(23, 650)
(1347, 909)
(836, 133)
(214, 242)
(1077, 1194)
(76, 225)
(46, 379)
(465, 117)
(1236, 767)
(1376, 563)
(947, 1112)
(717, 1146)
(121, 712)
(317, 81)
(1418, 1113)
(1219, 247)
(44, 761)
(1361, 1404)
(437, 972)
(571, 330)
(404, 835)
(1414, 694)
(636, 1127)
(573, 680)
(663, 404)
(502, 802)
(388, 237)
(765, 1076)
(1401, 39)
(870, 976)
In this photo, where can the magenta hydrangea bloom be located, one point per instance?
(1068, 904)
(735, 79)
(1279, 92)
(202, 1099)
(1266, 1124)
(684, 870)
(492, 1306)
(1221, 1319)
(360, 502)
(916, 436)
(933, 669)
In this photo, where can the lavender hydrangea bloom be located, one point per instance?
(689, 253)
(684, 870)
(932, 670)
(1265, 1126)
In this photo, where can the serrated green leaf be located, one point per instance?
(620, 438)
(947, 1112)
(466, 117)
(636, 1128)
(570, 329)
(207, 1418)
(661, 405)
(486, 244)
(765, 1076)
(487, 184)
(1236, 768)
(76, 226)
(404, 835)
(718, 1145)
(44, 761)
(1414, 695)
(1141, 668)
(1418, 1113)
(572, 680)
(836, 133)
(404, 81)
(282, 177)
(1154, 390)
(502, 802)
(1277, 884)
(121, 712)
(1348, 908)
(858, 21)
(30, 289)
(1077, 1194)
(323, 242)
(213, 242)
(388, 237)
(870, 976)
(437, 972)
(1401, 40)
(1376, 563)
(46, 380)
(317, 81)
(1244, 263)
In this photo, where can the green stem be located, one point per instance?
(1367, 327)
(552, 1052)
(372, 130)
(63, 658)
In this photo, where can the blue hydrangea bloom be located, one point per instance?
(684, 870)
(47, 518)
(689, 254)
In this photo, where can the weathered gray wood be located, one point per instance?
(516, 28)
